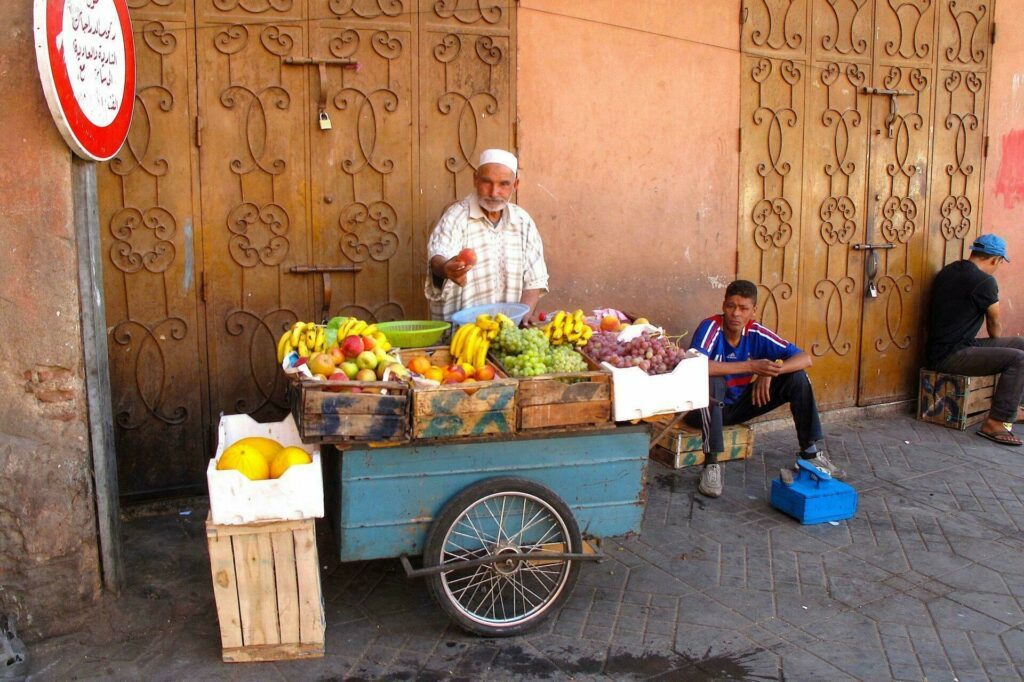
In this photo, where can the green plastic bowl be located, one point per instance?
(414, 333)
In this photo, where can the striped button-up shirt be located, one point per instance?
(510, 257)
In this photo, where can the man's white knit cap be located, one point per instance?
(500, 156)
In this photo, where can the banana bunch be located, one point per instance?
(354, 326)
(305, 338)
(568, 328)
(471, 341)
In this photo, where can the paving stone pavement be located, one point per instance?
(927, 582)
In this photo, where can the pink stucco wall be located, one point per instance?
(49, 566)
(628, 139)
(1004, 172)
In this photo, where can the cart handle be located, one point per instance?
(411, 572)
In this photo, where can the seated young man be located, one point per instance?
(964, 294)
(752, 371)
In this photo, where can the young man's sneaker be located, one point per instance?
(825, 464)
(711, 483)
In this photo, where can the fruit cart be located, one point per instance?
(498, 470)
(502, 523)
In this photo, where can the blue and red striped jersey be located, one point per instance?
(756, 343)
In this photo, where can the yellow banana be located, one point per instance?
(504, 320)
(481, 354)
(370, 330)
(310, 336)
(297, 333)
(455, 347)
(358, 327)
(303, 348)
(471, 345)
(321, 338)
(282, 346)
(559, 319)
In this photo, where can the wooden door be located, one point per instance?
(831, 164)
(253, 171)
(148, 229)
(229, 183)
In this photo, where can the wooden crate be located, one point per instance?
(266, 583)
(329, 416)
(564, 399)
(681, 446)
(954, 400)
(460, 410)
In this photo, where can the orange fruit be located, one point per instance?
(419, 364)
(609, 323)
(286, 458)
(321, 363)
(485, 373)
(247, 460)
(435, 373)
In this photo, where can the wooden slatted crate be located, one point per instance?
(461, 410)
(954, 400)
(682, 445)
(266, 584)
(325, 414)
(565, 399)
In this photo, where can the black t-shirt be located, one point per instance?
(961, 293)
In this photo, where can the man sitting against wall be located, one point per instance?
(752, 371)
(963, 294)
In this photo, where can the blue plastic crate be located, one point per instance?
(814, 496)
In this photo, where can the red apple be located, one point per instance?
(352, 346)
(337, 376)
(337, 355)
(368, 342)
(467, 256)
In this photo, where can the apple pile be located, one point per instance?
(355, 358)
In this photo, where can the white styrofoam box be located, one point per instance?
(234, 499)
(638, 394)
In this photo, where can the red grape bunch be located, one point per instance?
(653, 354)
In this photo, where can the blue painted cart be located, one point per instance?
(500, 522)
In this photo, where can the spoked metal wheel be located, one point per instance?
(484, 537)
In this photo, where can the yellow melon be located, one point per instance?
(286, 458)
(247, 460)
(268, 447)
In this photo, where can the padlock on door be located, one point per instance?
(325, 120)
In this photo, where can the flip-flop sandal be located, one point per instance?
(1003, 438)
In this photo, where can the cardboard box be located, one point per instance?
(266, 585)
(234, 499)
(637, 394)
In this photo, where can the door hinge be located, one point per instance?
(739, 139)
(515, 136)
(202, 287)
(992, 37)
(984, 149)
(199, 131)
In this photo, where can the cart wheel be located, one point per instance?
(502, 515)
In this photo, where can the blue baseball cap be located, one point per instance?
(991, 245)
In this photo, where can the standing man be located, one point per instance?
(752, 371)
(509, 254)
(963, 294)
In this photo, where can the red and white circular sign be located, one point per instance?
(86, 59)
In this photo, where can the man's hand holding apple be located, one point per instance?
(456, 270)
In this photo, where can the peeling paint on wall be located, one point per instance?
(1010, 179)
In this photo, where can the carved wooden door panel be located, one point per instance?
(900, 128)
(961, 105)
(862, 163)
(362, 170)
(255, 128)
(156, 340)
